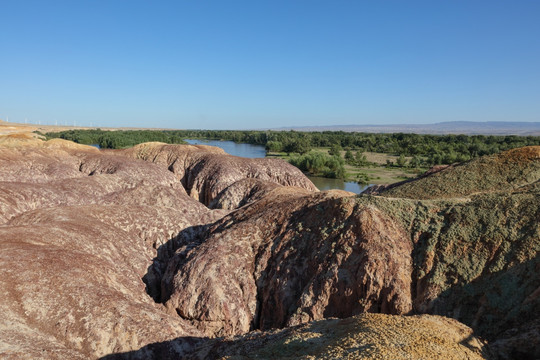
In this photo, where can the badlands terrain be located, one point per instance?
(184, 252)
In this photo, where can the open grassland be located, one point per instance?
(377, 172)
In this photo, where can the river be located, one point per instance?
(258, 151)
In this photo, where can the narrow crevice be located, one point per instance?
(191, 237)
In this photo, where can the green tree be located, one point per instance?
(401, 161)
(274, 146)
(335, 150)
(349, 157)
(415, 162)
(361, 159)
(363, 178)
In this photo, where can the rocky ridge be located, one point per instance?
(205, 171)
(148, 268)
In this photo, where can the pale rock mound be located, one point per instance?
(367, 336)
(205, 172)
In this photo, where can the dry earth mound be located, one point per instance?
(499, 172)
(367, 336)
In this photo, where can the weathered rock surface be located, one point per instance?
(78, 232)
(62, 177)
(108, 252)
(72, 281)
(205, 172)
(242, 192)
(367, 336)
(291, 258)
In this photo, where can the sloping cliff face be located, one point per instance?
(294, 259)
(206, 171)
(290, 258)
(78, 232)
(116, 252)
(505, 171)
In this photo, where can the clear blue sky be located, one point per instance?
(228, 64)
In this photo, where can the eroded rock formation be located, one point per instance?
(79, 230)
(290, 258)
(206, 171)
(119, 252)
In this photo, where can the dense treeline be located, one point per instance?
(432, 149)
(118, 139)
(320, 164)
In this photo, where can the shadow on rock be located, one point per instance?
(174, 349)
(187, 239)
(503, 307)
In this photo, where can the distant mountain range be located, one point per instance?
(450, 127)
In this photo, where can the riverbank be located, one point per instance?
(379, 172)
(258, 151)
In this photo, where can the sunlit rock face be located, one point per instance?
(206, 171)
(153, 251)
(78, 232)
(290, 258)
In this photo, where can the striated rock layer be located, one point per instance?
(206, 171)
(290, 258)
(109, 252)
(78, 231)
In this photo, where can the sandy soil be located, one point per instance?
(7, 128)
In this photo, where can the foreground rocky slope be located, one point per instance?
(75, 247)
(79, 230)
(367, 336)
(119, 252)
(291, 258)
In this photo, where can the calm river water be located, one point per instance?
(257, 151)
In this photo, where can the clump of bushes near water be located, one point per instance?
(320, 164)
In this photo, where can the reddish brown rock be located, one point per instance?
(75, 249)
(48, 177)
(242, 192)
(205, 172)
(288, 259)
(88, 238)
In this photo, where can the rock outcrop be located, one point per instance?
(205, 172)
(119, 252)
(367, 336)
(242, 192)
(504, 171)
(288, 258)
(291, 258)
(78, 232)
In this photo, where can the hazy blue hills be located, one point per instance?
(450, 127)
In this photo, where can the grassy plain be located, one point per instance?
(378, 173)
